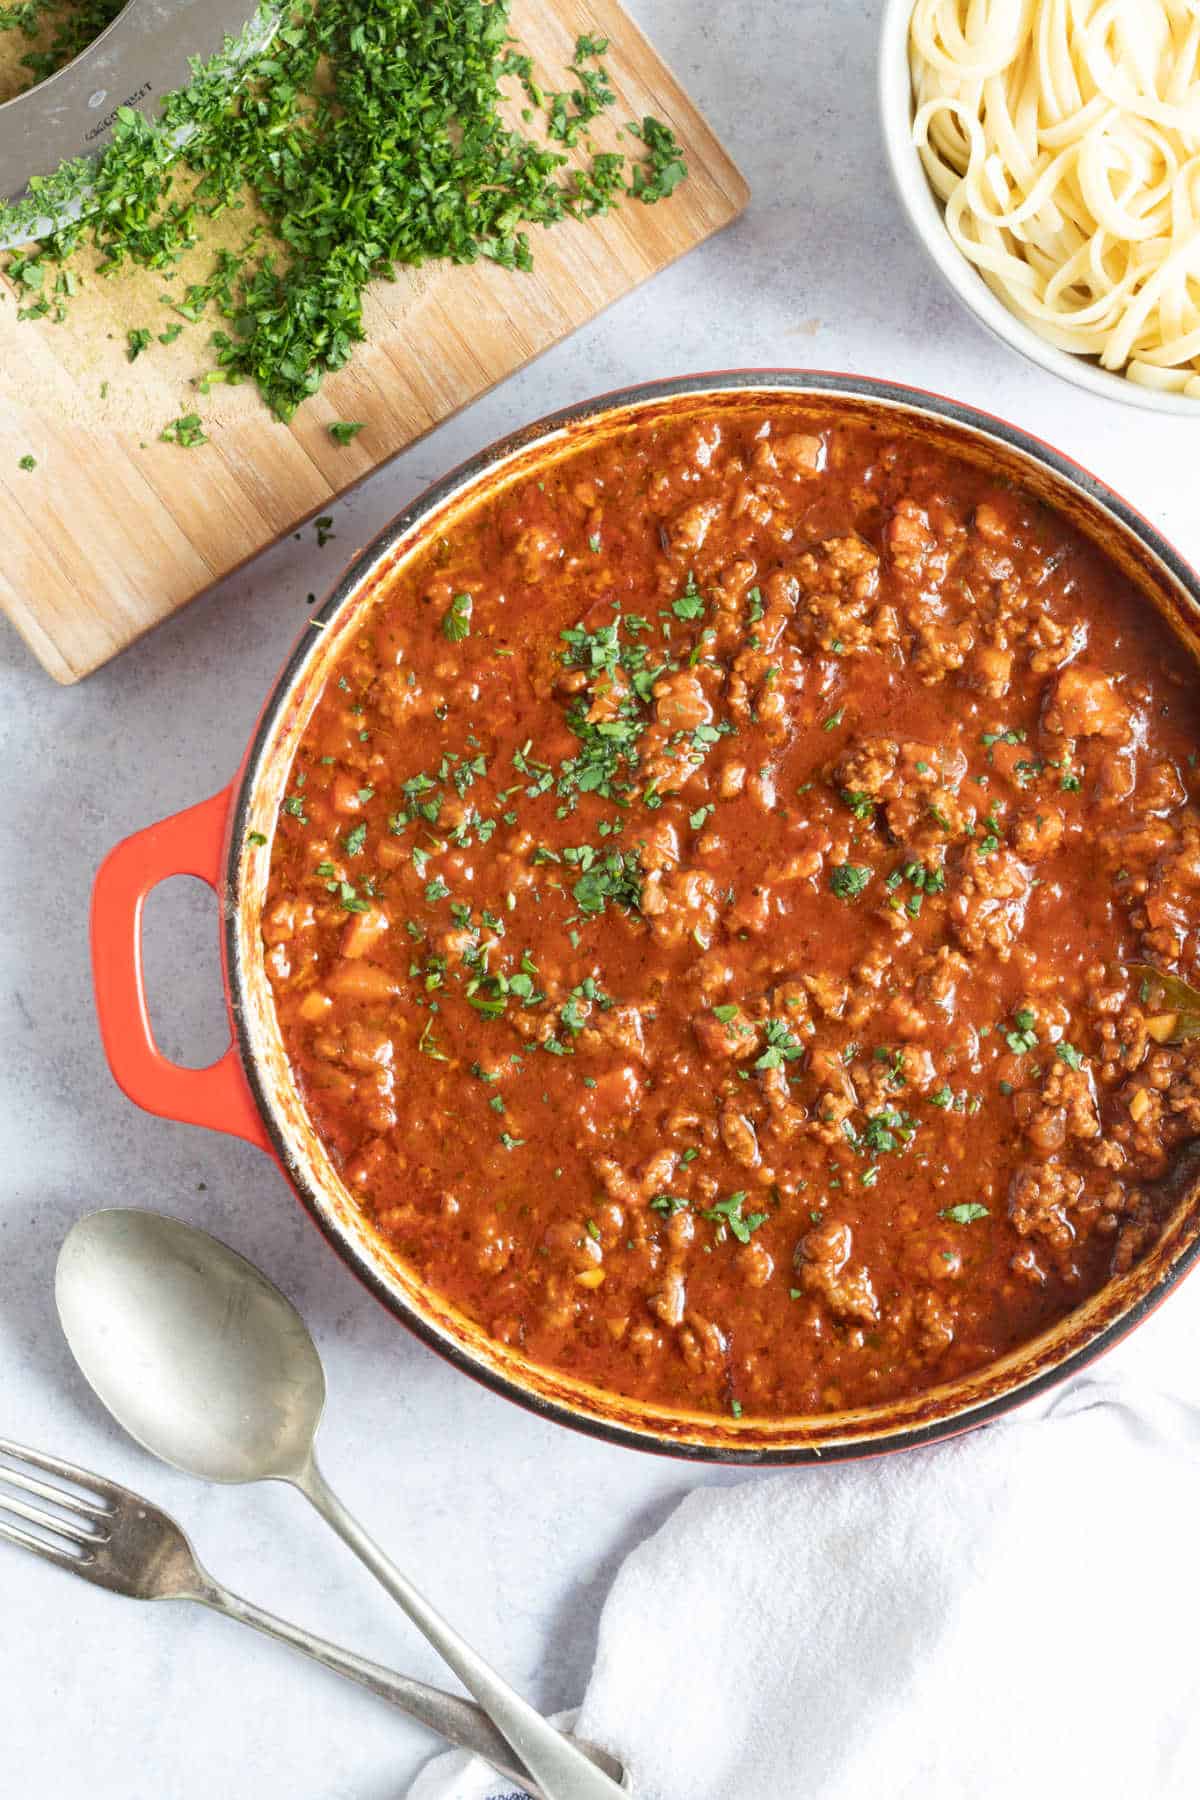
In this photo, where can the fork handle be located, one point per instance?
(459, 1721)
(557, 1762)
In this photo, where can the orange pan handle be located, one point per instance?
(191, 842)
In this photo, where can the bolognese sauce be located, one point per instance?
(717, 913)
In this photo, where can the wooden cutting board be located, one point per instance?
(113, 531)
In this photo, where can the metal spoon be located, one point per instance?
(208, 1366)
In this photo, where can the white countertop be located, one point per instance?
(513, 1526)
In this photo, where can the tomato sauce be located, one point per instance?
(709, 916)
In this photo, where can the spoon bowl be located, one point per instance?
(192, 1350)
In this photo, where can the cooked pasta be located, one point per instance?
(1063, 140)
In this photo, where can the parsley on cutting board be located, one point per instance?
(370, 134)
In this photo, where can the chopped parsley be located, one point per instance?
(782, 1046)
(1001, 736)
(849, 880)
(691, 603)
(668, 1205)
(884, 1131)
(187, 432)
(456, 620)
(1023, 1037)
(615, 875)
(344, 431)
(729, 1212)
(965, 1213)
(370, 138)
(991, 841)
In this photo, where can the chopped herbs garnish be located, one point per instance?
(1002, 736)
(346, 430)
(781, 1046)
(28, 463)
(617, 876)
(456, 620)
(59, 30)
(729, 1212)
(371, 138)
(1069, 1054)
(187, 432)
(964, 1214)
(849, 880)
(691, 603)
(668, 1204)
(1023, 1037)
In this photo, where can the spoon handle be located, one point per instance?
(457, 1720)
(562, 1770)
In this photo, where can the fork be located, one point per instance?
(116, 1539)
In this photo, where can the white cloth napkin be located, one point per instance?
(1013, 1614)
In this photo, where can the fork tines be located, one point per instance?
(66, 1522)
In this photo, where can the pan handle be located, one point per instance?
(191, 842)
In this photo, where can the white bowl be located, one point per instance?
(925, 215)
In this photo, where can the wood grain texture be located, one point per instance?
(114, 531)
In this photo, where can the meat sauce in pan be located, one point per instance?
(708, 914)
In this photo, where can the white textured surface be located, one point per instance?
(515, 1527)
(851, 1621)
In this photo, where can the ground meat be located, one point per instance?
(839, 583)
(1037, 832)
(934, 1323)
(823, 1269)
(1065, 1107)
(738, 1136)
(1085, 703)
(988, 898)
(1170, 917)
(1040, 1200)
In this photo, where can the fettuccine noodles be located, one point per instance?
(1063, 139)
